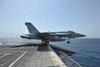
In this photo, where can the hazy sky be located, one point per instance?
(82, 16)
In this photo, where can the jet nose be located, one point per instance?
(83, 35)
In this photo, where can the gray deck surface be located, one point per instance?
(25, 56)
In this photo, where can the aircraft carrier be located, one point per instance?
(33, 55)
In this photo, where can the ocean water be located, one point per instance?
(89, 49)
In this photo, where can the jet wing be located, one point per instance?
(60, 35)
(69, 35)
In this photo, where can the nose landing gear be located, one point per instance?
(68, 42)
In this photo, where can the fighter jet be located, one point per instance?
(47, 37)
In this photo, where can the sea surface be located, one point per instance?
(88, 49)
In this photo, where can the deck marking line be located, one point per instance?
(4, 55)
(57, 61)
(17, 59)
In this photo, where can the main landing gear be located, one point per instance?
(46, 42)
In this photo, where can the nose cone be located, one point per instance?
(80, 35)
(83, 35)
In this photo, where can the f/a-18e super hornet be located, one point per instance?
(47, 37)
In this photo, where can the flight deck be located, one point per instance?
(29, 56)
(25, 56)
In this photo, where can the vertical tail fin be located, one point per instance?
(31, 28)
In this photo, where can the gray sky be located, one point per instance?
(82, 16)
